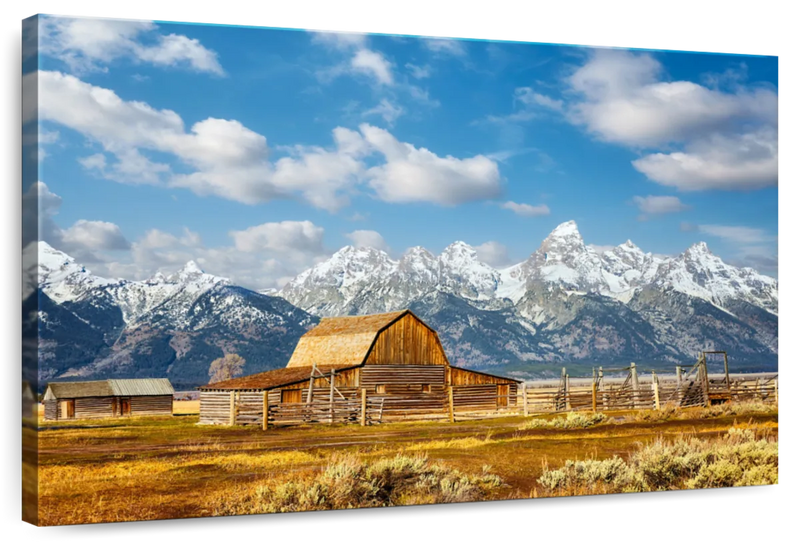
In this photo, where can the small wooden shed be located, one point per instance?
(108, 398)
(393, 361)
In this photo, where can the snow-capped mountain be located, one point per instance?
(566, 304)
(165, 326)
(565, 301)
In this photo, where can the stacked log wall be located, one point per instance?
(160, 405)
(91, 408)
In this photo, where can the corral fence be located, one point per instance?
(631, 388)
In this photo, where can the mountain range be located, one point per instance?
(565, 305)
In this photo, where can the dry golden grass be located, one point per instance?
(154, 468)
(184, 407)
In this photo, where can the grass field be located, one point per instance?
(154, 468)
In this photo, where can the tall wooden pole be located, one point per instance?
(635, 384)
(601, 386)
(310, 396)
(333, 379)
(363, 407)
(450, 403)
(265, 410)
(566, 392)
(525, 399)
(232, 415)
(776, 390)
(656, 398)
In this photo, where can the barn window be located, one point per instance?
(380, 389)
(426, 388)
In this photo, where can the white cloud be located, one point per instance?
(494, 254)
(390, 112)
(87, 45)
(412, 174)
(368, 238)
(526, 210)
(737, 162)
(658, 205)
(286, 238)
(374, 64)
(445, 46)
(529, 97)
(737, 234)
(81, 240)
(228, 160)
(95, 235)
(419, 72)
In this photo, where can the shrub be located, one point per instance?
(573, 420)
(350, 483)
(736, 459)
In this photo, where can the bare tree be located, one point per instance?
(225, 368)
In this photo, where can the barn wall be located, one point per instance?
(396, 374)
(407, 342)
(215, 407)
(151, 406)
(345, 378)
(481, 397)
(51, 410)
(92, 408)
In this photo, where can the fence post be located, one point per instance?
(363, 407)
(265, 409)
(333, 379)
(656, 398)
(450, 399)
(525, 397)
(635, 385)
(678, 385)
(602, 387)
(232, 415)
(594, 395)
(776, 390)
(706, 384)
(566, 392)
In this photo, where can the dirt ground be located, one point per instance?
(155, 468)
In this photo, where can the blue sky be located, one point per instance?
(258, 152)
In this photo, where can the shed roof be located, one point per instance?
(77, 390)
(341, 341)
(271, 378)
(109, 388)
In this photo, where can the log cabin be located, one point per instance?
(107, 398)
(391, 365)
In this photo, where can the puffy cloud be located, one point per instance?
(412, 174)
(361, 59)
(526, 210)
(228, 160)
(82, 240)
(374, 64)
(294, 239)
(737, 162)
(368, 238)
(658, 205)
(94, 235)
(494, 254)
(87, 44)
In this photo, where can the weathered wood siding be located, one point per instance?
(397, 374)
(407, 342)
(468, 398)
(345, 378)
(215, 408)
(51, 410)
(91, 408)
(151, 406)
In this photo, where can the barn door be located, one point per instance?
(68, 409)
(502, 396)
(125, 407)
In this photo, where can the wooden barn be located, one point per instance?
(108, 398)
(368, 368)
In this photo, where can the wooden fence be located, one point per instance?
(684, 389)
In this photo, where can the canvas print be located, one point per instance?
(272, 270)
